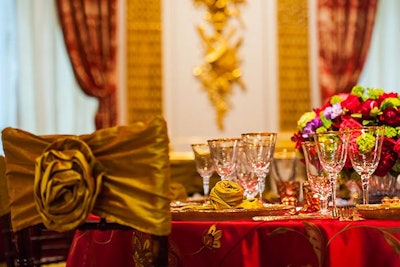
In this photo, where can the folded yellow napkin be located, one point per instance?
(250, 204)
(226, 195)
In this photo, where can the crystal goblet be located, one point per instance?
(223, 154)
(245, 175)
(316, 175)
(332, 152)
(259, 149)
(284, 166)
(204, 164)
(365, 146)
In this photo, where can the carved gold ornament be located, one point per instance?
(220, 70)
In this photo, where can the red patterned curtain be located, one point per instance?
(89, 29)
(345, 30)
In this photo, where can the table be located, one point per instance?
(317, 242)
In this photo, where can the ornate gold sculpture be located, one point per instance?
(220, 71)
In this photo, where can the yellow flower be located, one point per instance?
(304, 119)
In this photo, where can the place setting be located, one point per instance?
(242, 165)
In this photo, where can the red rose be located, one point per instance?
(367, 106)
(387, 95)
(388, 157)
(351, 103)
(396, 148)
(390, 116)
(349, 122)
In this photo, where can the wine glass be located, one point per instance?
(204, 164)
(332, 153)
(259, 149)
(284, 169)
(365, 146)
(223, 154)
(316, 174)
(245, 175)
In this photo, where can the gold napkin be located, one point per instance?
(250, 204)
(135, 186)
(226, 195)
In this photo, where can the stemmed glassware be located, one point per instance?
(204, 164)
(365, 146)
(332, 152)
(223, 154)
(284, 170)
(245, 175)
(259, 149)
(316, 174)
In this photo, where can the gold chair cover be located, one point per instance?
(120, 173)
(4, 201)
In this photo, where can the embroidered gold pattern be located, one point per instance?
(211, 239)
(142, 249)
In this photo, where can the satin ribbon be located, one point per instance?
(129, 163)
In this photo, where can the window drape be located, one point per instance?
(344, 32)
(38, 91)
(383, 61)
(89, 29)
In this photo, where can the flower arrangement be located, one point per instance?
(361, 107)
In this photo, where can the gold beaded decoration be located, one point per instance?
(220, 70)
(143, 59)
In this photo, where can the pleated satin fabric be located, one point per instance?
(121, 173)
(4, 201)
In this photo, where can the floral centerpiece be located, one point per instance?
(361, 107)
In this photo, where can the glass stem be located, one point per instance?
(206, 184)
(324, 205)
(332, 180)
(260, 181)
(365, 188)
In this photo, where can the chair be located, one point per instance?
(49, 246)
(7, 253)
(120, 175)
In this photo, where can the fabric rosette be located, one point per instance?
(67, 182)
(226, 195)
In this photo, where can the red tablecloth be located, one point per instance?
(248, 243)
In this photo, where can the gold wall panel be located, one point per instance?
(143, 59)
(293, 62)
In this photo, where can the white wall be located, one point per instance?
(189, 114)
